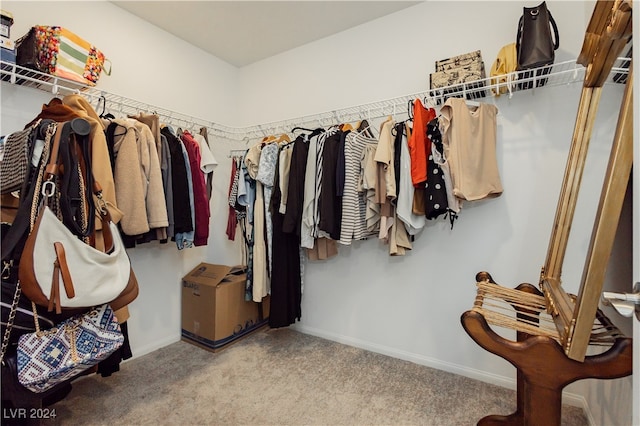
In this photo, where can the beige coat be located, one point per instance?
(138, 178)
(130, 191)
(151, 177)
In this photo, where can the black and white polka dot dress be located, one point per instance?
(435, 190)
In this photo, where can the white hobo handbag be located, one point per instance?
(52, 253)
(90, 276)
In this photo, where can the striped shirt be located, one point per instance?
(354, 222)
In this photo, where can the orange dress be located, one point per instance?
(419, 143)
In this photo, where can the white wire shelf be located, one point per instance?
(562, 73)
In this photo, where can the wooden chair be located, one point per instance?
(554, 328)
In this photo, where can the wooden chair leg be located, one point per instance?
(544, 370)
(517, 417)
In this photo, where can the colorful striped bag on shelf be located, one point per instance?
(57, 51)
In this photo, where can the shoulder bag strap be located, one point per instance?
(10, 320)
(52, 169)
(556, 36)
(519, 36)
(76, 204)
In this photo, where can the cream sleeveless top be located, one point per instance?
(469, 140)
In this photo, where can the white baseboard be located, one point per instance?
(146, 349)
(494, 379)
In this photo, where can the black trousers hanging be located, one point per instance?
(286, 282)
(286, 292)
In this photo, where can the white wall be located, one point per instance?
(408, 307)
(388, 57)
(149, 64)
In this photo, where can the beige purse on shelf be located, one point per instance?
(503, 69)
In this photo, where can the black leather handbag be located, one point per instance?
(28, 52)
(536, 43)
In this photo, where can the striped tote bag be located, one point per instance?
(69, 56)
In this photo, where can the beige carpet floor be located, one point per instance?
(283, 377)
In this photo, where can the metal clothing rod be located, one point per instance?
(557, 74)
(236, 152)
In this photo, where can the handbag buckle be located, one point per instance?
(48, 188)
(101, 202)
(6, 268)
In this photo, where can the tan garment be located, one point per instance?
(152, 177)
(399, 240)
(469, 140)
(252, 160)
(384, 157)
(283, 177)
(153, 121)
(128, 179)
(261, 285)
(368, 186)
(385, 179)
(419, 202)
(323, 249)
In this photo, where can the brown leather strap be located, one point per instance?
(52, 167)
(64, 270)
(105, 217)
(54, 296)
(107, 237)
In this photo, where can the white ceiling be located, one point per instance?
(243, 32)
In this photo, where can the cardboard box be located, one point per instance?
(7, 43)
(214, 310)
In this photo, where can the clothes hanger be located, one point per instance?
(410, 110)
(314, 132)
(365, 129)
(302, 128)
(429, 102)
(102, 102)
(284, 138)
